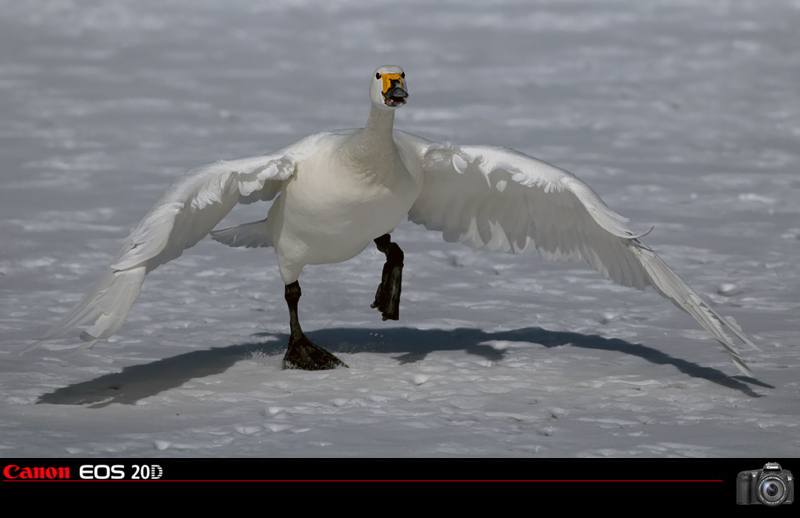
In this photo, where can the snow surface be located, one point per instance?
(680, 114)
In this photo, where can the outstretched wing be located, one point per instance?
(494, 198)
(193, 205)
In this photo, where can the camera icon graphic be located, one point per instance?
(771, 486)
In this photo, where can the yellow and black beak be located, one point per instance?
(394, 93)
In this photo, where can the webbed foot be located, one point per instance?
(305, 355)
(302, 353)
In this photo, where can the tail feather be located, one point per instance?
(667, 283)
(249, 235)
(106, 305)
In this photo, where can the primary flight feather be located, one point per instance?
(339, 191)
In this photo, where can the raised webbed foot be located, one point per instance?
(387, 298)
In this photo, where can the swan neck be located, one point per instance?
(380, 122)
(376, 137)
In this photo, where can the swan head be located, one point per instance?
(387, 90)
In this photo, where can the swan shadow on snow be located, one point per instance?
(138, 382)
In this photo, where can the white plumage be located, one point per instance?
(341, 190)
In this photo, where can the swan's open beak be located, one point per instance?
(393, 92)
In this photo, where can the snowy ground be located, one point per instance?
(680, 114)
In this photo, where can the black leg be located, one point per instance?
(302, 353)
(387, 298)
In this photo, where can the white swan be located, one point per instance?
(341, 190)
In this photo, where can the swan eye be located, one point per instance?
(378, 75)
(403, 75)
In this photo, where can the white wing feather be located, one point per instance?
(498, 199)
(193, 205)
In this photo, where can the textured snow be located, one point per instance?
(680, 114)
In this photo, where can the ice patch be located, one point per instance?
(758, 198)
(275, 427)
(37, 263)
(728, 289)
(247, 430)
(419, 379)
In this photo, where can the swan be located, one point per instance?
(339, 191)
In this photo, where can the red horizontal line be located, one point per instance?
(400, 480)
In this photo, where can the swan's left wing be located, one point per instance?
(498, 199)
(194, 204)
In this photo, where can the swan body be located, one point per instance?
(341, 190)
(337, 203)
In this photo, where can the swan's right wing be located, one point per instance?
(491, 198)
(193, 205)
